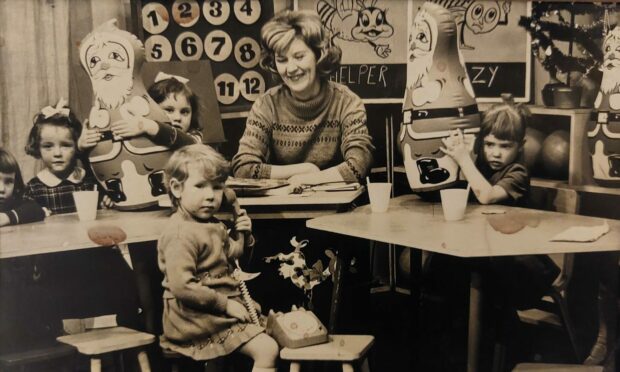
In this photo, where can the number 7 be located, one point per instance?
(220, 41)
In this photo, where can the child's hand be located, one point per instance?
(236, 310)
(243, 224)
(107, 202)
(89, 137)
(457, 146)
(136, 126)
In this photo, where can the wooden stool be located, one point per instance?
(109, 340)
(340, 348)
(541, 367)
(59, 353)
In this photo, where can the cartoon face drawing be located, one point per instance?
(482, 16)
(422, 40)
(356, 21)
(611, 63)
(371, 25)
(109, 64)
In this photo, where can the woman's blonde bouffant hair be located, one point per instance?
(278, 33)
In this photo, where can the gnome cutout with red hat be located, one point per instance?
(604, 124)
(129, 168)
(439, 98)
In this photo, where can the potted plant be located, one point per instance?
(582, 72)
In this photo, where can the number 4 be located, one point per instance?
(247, 7)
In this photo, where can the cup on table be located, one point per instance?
(453, 203)
(379, 194)
(86, 204)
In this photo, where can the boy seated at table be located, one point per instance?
(497, 176)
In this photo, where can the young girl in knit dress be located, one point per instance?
(204, 316)
(53, 139)
(14, 209)
(308, 129)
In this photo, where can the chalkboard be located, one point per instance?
(496, 50)
(372, 36)
(226, 32)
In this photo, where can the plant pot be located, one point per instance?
(547, 92)
(567, 97)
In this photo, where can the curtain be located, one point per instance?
(39, 41)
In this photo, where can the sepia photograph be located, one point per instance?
(309, 186)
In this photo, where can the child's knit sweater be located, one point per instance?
(329, 130)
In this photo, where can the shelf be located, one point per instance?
(562, 185)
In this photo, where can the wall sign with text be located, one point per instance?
(226, 32)
(372, 36)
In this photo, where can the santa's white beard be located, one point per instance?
(111, 94)
(419, 68)
(611, 80)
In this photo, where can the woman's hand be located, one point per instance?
(89, 137)
(457, 146)
(235, 310)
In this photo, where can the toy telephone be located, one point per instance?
(297, 328)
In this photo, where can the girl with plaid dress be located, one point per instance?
(53, 139)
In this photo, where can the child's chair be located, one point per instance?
(348, 349)
(97, 343)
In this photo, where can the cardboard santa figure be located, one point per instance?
(604, 124)
(439, 98)
(130, 169)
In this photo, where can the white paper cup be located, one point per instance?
(454, 202)
(379, 194)
(86, 204)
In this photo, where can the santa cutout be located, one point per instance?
(439, 98)
(130, 169)
(604, 124)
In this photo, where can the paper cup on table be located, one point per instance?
(379, 194)
(86, 204)
(453, 203)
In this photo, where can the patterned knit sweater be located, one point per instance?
(329, 130)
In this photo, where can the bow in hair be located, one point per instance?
(163, 76)
(60, 108)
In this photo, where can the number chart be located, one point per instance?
(225, 32)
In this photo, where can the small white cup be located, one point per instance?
(86, 204)
(379, 194)
(453, 203)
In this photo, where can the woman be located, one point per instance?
(308, 129)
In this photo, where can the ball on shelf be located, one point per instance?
(532, 149)
(555, 154)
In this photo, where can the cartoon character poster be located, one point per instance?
(372, 35)
(484, 29)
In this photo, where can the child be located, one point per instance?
(181, 106)
(204, 316)
(53, 139)
(14, 209)
(499, 177)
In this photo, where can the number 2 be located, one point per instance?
(185, 9)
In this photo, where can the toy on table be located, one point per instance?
(297, 328)
(439, 98)
(604, 124)
(130, 169)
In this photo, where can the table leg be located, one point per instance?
(473, 335)
(415, 280)
(336, 293)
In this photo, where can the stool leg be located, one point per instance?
(365, 367)
(347, 367)
(95, 365)
(143, 360)
(295, 367)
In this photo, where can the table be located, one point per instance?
(413, 223)
(65, 232)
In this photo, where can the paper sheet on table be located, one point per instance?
(581, 233)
